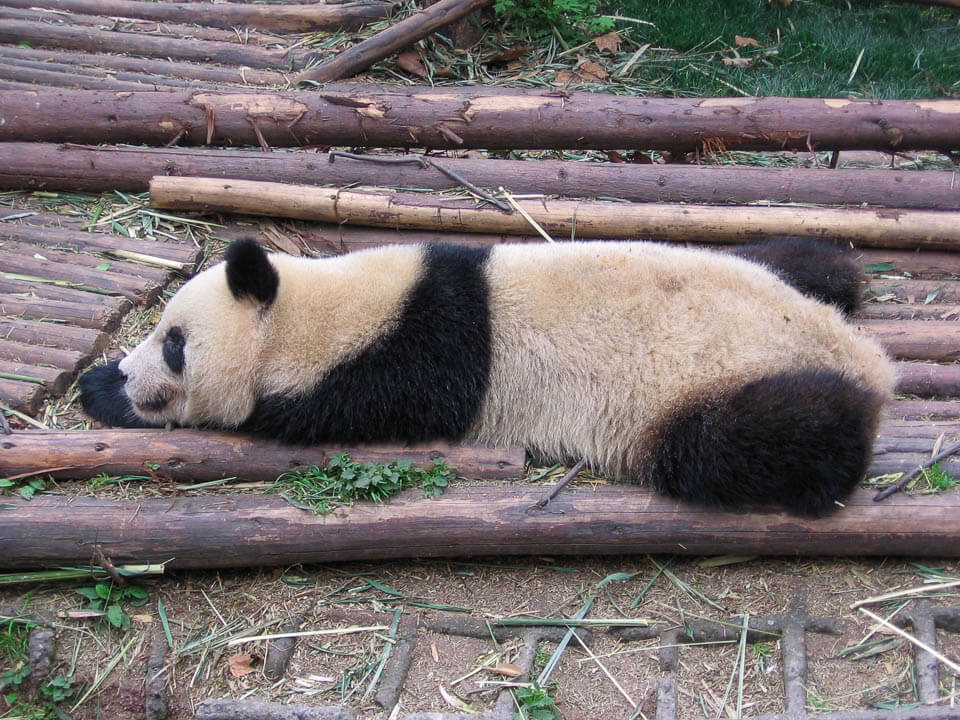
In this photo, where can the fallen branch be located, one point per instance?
(561, 218)
(51, 166)
(283, 18)
(453, 117)
(394, 38)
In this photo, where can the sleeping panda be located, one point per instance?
(699, 373)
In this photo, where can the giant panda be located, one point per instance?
(701, 374)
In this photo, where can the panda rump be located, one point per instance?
(699, 373)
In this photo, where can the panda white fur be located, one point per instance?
(699, 373)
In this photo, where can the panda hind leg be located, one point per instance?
(800, 440)
(816, 268)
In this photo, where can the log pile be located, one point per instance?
(195, 85)
(62, 292)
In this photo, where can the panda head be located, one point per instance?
(198, 366)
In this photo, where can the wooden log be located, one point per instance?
(386, 42)
(909, 311)
(136, 273)
(16, 263)
(22, 396)
(78, 37)
(912, 291)
(55, 77)
(80, 314)
(934, 340)
(54, 380)
(281, 18)
(194, 455)
(98, 169)
(255, 530)
(149, 66)
(927, 380)
(27, 354)
(912, 261)
(451, 117)
(179, 255)
(47, 291)
(560, 218)
(938, 410)
(54, 335)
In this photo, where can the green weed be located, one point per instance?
(26, 487)
(110, 599)
(535, 703)
(343, 481)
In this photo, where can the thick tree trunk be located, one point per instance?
(466, 117)
(198, 456)
(281, 18)
(48, 166)
(75, 37)
(386, 42)
(561, 218)
(256, 530)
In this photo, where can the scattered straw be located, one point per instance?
(916, 641)
(310, 633)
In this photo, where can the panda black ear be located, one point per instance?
(249, 272)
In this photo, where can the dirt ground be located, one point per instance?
(334, 669)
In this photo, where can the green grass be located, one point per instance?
(808, 48)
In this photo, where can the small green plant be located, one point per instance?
(59, 689)
(27, 487)
(572, 19)
(109, 598)
(938, 478)
(535, 703)
(342, 481)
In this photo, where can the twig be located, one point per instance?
(904, 593)
(108, 567)
(424, 162)
(307, 633)
(526, 216)
(6, 409)
(919, 643)
(902, 482)
(547, 497)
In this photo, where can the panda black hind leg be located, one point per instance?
(814, 267)
(799, 439)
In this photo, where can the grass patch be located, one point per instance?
(344, 481)
(809, 48)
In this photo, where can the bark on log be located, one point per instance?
(244, 530)
(180, 256)
(927, 380)
(934, 340)
(386, 42)
(53, 379)
(115, 283)
(282, 18)
(560, 218)
(21, 396)
(27, 354)
(193, 455)
(473, 117)
(74, 37)
(909, 311)
(147, 66)
(79, 314)
(933, 410)
(97, 169)
(19, 71)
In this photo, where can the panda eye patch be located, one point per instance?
(173, 345)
